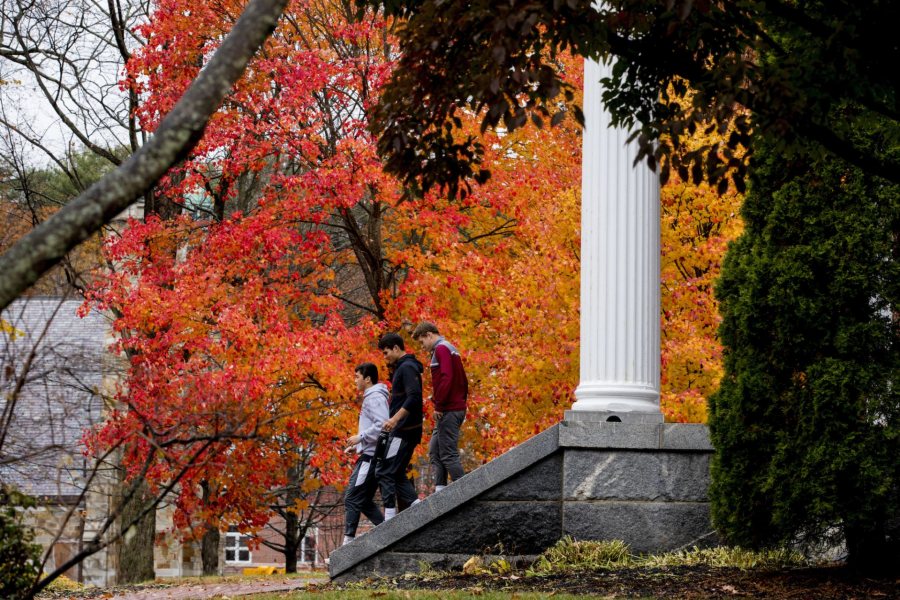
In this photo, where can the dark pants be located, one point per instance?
(359, 494)
(396, 488)
(444, 447)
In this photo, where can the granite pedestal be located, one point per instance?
(643, 483)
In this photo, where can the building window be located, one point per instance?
(237, 549)
(308, 554)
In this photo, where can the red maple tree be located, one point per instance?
(244, 317)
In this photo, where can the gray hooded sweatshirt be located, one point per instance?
(372, 415)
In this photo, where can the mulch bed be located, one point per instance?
(691, 583)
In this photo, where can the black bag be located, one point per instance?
(381, 446)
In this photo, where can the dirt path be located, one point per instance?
(202, 591)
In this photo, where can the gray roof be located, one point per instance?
(59, 398)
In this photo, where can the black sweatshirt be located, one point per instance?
(406, 392)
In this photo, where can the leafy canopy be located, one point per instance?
(243, 317)
(496, 60)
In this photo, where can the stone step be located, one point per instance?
(643, 483)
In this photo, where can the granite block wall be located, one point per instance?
(643, 484)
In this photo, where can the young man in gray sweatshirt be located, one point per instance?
(362, 485)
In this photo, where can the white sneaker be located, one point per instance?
(438, 488)
(390, 513)
(347, 539)
(416, 501)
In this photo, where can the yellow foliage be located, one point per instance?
(697, 224)
(9, 330)
(474, 566)
(309, 484)
(64, 584)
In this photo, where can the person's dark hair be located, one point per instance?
(423, 328)
(368, 371)
(389, 340)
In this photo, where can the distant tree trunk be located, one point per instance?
(136, 547)
(159, 205)
(209, 551)
(291, 542)
(209, 545)
(219, 210)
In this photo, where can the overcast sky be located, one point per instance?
(79, 52)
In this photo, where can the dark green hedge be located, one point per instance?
(19, 557)
(807, 420)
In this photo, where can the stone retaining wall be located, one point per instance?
(645, 484)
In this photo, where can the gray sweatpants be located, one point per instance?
(444, 447)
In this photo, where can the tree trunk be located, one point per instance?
(291, 545)
(136, 547)
(164, 208)
(209, 551)
(867, 549)
(209, 545)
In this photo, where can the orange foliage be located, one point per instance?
(503, 284)
(242, 333)
(18, 218)
(697, 225)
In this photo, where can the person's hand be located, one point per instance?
(389, 425)
(352, 441)
(438, 415)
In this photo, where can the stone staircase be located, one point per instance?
(645, 484)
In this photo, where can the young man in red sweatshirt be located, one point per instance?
(450, 391)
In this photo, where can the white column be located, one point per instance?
(619, 271)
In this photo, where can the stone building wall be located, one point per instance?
(57, 528)
(173, 557)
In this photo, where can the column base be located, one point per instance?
(599, 401)
(601, 416)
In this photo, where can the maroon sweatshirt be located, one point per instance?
(448, 378)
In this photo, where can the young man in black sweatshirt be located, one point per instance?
(404, 424)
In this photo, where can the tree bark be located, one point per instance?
(291, 545)
(209, 551)
(209, 545)
(136, 547)
(182, 128)
(156, 204)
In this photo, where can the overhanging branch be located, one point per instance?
(47, 244)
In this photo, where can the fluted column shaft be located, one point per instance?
(619, 267)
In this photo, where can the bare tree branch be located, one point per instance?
(45, 246)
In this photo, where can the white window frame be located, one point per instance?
(237, 547)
